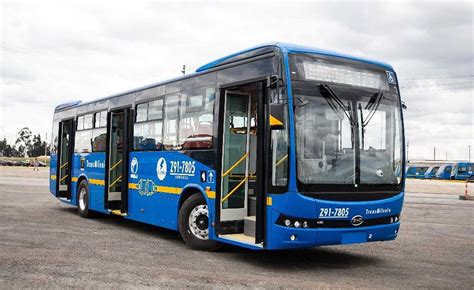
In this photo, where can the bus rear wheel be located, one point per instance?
(194, 224)
(83, 200)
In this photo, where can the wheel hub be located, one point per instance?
(82, 203)
(199, 222)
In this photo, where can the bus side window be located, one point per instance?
(80, 123)
(54, 138)
(82, 143)
(279, 147)
(170, 141)
(148, 128)
(196, 119)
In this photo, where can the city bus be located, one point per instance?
(275, 147)
(462, 171)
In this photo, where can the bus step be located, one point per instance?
(118, 212)
(249, 226)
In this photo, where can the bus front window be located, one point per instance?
(348, 126)
(324, 140)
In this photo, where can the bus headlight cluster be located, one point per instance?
(295, 223)
(394, 219)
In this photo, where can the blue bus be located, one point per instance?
(431, 172)
(415, 171)
(462, 171)
(278, 146)
(444, 171)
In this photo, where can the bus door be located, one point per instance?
(116, 193)
(242, 171)
(235, 153)
(64, 170)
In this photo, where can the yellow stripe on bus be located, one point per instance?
(167, 189)
(53, 177)
(97, 181)
(170, 190)
(269, 200)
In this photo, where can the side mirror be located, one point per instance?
(273, 81)
(277, 116)
(404, 106)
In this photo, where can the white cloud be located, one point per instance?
(54, 52)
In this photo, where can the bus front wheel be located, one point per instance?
(83, 200)
(194, 224)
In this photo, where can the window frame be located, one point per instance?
(148, 121)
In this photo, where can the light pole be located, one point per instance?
(469, 146)
(408, 146)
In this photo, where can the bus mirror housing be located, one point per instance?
(273, 81)
(404, 106)
(277, 116)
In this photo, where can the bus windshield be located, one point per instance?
(348, 130)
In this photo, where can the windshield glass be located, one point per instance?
(347, 133)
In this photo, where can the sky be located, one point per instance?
(52, 52)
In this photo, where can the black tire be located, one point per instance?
(83, 207)
(196, 201)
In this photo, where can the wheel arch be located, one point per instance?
(190, 190)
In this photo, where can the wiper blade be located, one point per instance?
(373, 106)
(334, 100)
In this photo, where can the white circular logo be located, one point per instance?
(134, 165)
(161, 168)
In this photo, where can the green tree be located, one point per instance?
(3, 146)
(37, 147)
(24, 141)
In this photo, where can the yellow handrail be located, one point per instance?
(115, 165)
(116, 180)
(64, 177)
(62, 166)
(235, 164)
(234, 189)
(281, 160)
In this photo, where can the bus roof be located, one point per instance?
(241, 55)
(292, 48)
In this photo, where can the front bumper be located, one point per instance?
(381, 221)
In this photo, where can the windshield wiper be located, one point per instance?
(334, 101)
(373, 106)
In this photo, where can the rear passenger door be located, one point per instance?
(64, 164)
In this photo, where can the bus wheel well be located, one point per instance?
(188, 192)
(79, 180)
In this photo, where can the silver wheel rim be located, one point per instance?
(199, 217)
(82, 203)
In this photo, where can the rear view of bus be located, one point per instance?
(347, 157)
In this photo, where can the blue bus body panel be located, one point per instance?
(301, 207)
(465, 174)
(94, 173)
(156, 181)
(444, 172)
(52, 173)
(431, 172)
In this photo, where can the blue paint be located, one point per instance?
(462, 171)
(302, 207)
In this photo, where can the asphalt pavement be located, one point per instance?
(44, 243)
